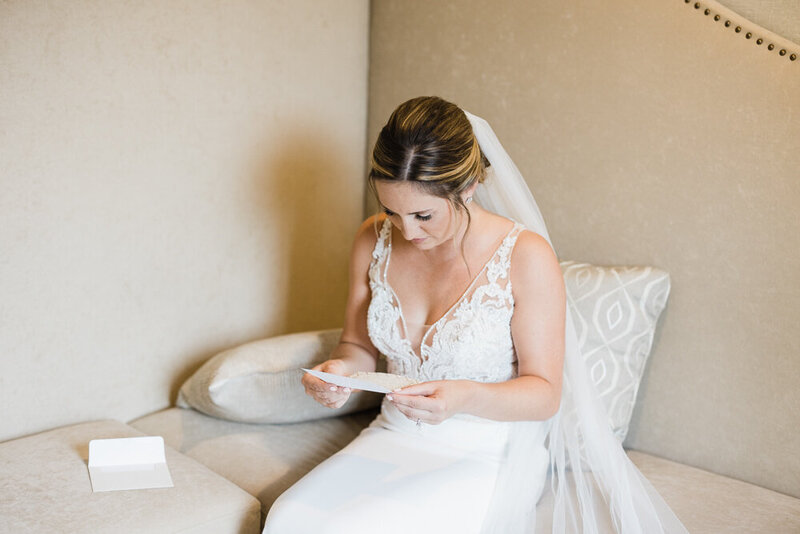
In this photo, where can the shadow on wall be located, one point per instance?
(304, 207)
(309, 188)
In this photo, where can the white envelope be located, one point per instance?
(128, 463)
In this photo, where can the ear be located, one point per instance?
(470, 191)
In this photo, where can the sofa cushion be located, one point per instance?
(615, 311)
(46, 488)
(266, 459)
(709, 503)
(259, 382)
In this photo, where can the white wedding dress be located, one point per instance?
(396, 477)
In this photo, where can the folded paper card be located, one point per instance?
(347, 382)
(128, 463)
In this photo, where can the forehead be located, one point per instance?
(405, 197)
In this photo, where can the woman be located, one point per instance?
(472, 305)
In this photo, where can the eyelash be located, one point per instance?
(418, 216)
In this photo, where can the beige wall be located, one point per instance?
(650, 135)
(175, 178)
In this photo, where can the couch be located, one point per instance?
(243, 431)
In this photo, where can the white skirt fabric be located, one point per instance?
(398, 478)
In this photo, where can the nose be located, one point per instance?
(410, 230)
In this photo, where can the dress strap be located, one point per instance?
(380, 253)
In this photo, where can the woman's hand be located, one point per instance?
(432, 402)
(323, 392)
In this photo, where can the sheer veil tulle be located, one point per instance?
(594, 486)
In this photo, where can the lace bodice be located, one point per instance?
(472, 340)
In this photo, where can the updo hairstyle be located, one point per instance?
(429, 141)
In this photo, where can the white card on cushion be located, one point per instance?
(128, 463)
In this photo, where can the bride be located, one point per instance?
(457, 285)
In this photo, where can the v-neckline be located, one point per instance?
(428, 330)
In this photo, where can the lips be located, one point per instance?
(418, 240)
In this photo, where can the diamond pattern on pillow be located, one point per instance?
(615, 311)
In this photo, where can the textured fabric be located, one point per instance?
(192, 183)
(471, 341)
(615, 311)
(264, 460)
(45, 487)
(259, 382)
(708, 503)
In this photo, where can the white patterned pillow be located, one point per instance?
(615, 311)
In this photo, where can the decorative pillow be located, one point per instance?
(259, 382)
(615, 311)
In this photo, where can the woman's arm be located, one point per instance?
(537, 329)
(355, 351)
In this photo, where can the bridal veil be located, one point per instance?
(595, 487)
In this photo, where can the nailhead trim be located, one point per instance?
(738, 29)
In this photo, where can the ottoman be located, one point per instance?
(45, 487)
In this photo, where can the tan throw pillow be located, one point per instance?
(259, 382)
(615, 311)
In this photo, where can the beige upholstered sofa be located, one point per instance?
(244, 431)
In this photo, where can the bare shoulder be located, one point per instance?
(366, 237)
(533, 260)
(368, 231)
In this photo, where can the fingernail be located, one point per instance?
(333, 388)
(389, 397)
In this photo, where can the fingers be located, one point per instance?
(324, 393)
(328, 394)
(416, 414)
(426, 388)
(425, 409)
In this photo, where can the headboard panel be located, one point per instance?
(651, 134)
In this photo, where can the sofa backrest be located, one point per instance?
(174, 180)
(652, 134)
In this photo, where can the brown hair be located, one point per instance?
(429, 141)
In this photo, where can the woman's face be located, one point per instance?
(425, 220)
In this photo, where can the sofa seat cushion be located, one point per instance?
(262, 459)
(711, 503)
(45, 487)
(266, 459)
